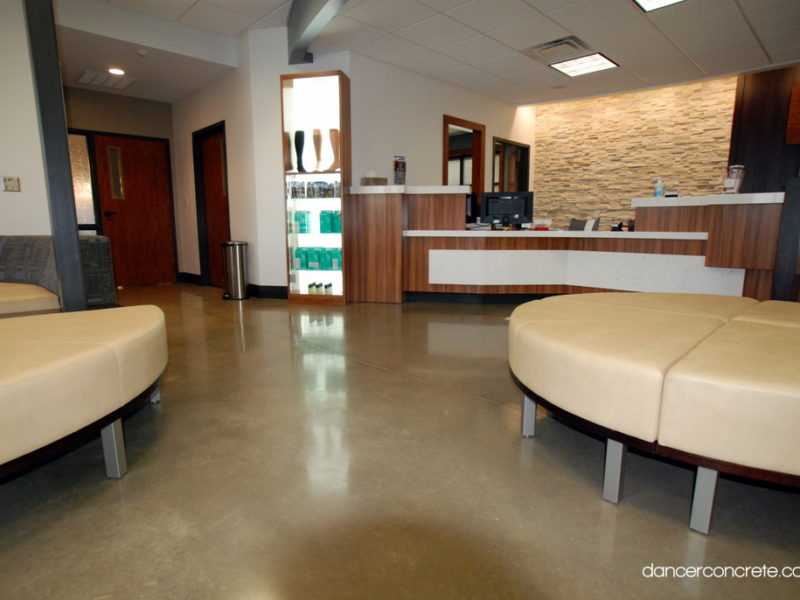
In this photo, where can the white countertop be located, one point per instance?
(763, 198)
(410, 189)
(631, 235)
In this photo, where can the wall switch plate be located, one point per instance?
(10, 183)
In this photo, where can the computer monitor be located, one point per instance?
(507, 208)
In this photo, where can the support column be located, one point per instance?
(114, 450)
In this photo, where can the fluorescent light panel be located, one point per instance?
(648, 5)
(584, 65)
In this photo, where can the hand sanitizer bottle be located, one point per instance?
(659, 192)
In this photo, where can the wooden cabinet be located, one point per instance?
(316, 159)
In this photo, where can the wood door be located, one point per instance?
(215, 198)
(134, 190)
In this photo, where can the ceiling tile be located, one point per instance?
(593, 13)
(391, 49)
(548, 5)
(611, 80)
(732, 32)
(436, 32)
(443, 5)
(529, 32)
(169, 9)
(345, 33)
(488, 15)
(696, 13)
(540, 76)
(635, 30)
(389, 15)
(252, 8)
(476, 49)
(431, 64)
(507, 64)
(659, 72)
(278, 17)
(219, 20)
(776, 24)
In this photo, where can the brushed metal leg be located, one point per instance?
(155, 396)
(614, 471)
(114, 449)
(528, 417)
(705, 488)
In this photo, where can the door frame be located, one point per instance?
(90, 133)
(200, 194)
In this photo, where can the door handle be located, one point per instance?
(109, 213)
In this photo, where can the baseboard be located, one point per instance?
(471, 298)
(190, 278)
(268, 291)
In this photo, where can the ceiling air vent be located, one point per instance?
(558, 50)
(104, 80)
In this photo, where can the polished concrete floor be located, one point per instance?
(365, 452)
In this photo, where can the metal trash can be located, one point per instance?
(234, 255)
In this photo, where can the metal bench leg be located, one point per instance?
(114, 449)
(155, 396)
(705, 488)
(614, 471)
(528, 417)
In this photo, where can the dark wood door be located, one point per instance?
(134, 191)
(215, 198)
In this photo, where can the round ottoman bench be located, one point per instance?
(709, 380)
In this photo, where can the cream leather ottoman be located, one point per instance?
(708, 376)
(24, 298)
(61, 372)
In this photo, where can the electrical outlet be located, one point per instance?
(10, 183)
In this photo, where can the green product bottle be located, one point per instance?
(312, 259)
(300, 258)
(336, 221)
(325, 259)
(336, 259)
(325, 221)
(301, 221)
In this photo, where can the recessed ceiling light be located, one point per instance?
(584, 65)
(116, 71)
(648, 5)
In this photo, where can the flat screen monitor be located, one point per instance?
(507, 208)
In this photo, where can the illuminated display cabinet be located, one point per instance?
(316, 160)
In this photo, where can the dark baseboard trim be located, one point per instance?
(268, 291)
(190, 278)
(471, 298)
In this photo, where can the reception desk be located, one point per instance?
(415, 240)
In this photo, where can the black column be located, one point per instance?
(788, 241)
(53, 120)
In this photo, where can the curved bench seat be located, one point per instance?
(26, 299)
(61, 372)
(701, 377)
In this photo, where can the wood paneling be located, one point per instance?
(415, 258)
(758, 136)
(743, 236)
(672, 218)
(436, 211)
(757, 284)
(374, 247)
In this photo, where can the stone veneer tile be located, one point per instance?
(593, 156)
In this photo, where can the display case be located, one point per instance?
(316, 157)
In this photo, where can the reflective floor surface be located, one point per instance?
(370, 451)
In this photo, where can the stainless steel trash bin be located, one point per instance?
(234, 257)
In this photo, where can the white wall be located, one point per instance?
(26, 212)
(395, 111)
